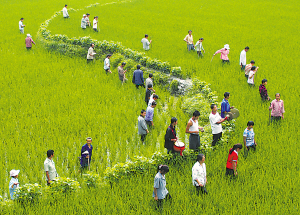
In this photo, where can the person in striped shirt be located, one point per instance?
(248, 68)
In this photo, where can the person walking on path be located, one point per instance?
(146, 43)
(224, 53)
(251, 76)
(138, 78)
(49, 167)
(243, 58)
(189, 41)
(107, 64)
(122, 72)
(95, 24)
(263, 90)
(142, 126)
(199, 47)
(192, 128)
(199, 174)
(277, 108)
(14, 182)
(248, 138)
(170, 136)
(86, 154)
(148, 94)
(215, 121)
(91, 53)
(149, 80)
(150, 114)
(83, 22)
(153, 98)
(160, 191)
(28, 42)
(21, 26)
(231, 166)
(65, 12)
(225, 106)
(87, 20)
(248, 68)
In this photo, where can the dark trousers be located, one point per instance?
(225, 61)
(28, 48)
(247, 149)
(143, 136)
(95, 29)
(149, 123)
(160, 202)
(216, 138)
(275, 118)
(138, 85)
(243, 67)
(247, 76)
(201, 189)
(89, 60)
(199, 54)
(194, 141)
(229, 172)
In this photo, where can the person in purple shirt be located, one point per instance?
(225, 106)
(150, 114)
(86, 153)
(138, 78)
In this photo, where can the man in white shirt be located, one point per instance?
(91, 53)
(199, 47)
(189, 41)
(243, 58)
(215, 122)
(251, 76)
(95, 24)
(49, 167)
(65, 12)
(149, 81)
(21, 26)
(146, 43)
(107, 64)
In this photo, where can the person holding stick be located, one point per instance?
(49, 167)
(193, 129)
(146, 43)
(160, 191)
(199, 174)
(231, 166)
(224, 54)
(86, 154)
(14, 182)
(277, 108)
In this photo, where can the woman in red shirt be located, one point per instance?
(232, 160)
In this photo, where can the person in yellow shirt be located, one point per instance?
(189, 41)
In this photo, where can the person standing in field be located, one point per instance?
(83, 22)
(199, 174)
(138, 78)
(224, 53)
(153, 98)
(14, 182)
(107, 64)
(189, 41)
(91, 53)
(148, 93)
(28, 42)
(65, 12)
(142, 126)
(160, 191)
(263, 90)
(231, 166)
(199, 47)
(192, 128)
(146, 43)
(248, 68)
(87, 20)
(122, 72)
(21, 26)
(150, 114)
(225, 106)
(251, 76)
(243, 58)
(170, 136)
(86, 153)
(277, 108)
(149, 80)
(248, 138)
(215, 121)
(49, 167)
(95, 24)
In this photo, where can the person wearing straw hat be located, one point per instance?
(49, 167)
(14, 182)
(83, 22)
(86, 153)
(28, 42)
(65, 12)
(224, 53)
(87, 19)
(21, 26)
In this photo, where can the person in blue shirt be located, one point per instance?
(86, 153)
(150, 114)
(160, 191)
(138, 78)
(225, 106)
(14, 182)
(249, 140)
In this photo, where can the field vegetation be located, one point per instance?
(50, 100)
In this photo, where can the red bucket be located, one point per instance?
(179, 148)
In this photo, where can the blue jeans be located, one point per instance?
(190, 47)
(243, 67)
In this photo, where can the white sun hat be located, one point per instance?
(84, 15)
(14, 172)
(28, 35)
(226, 46)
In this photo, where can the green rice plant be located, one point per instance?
(28, 193)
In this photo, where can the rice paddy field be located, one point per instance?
(53, 101)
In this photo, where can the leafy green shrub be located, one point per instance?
(91, 179)
(116, 60)
(160, 79)
(28, 193)
(63, 185)
(174, 86)
(176, 71)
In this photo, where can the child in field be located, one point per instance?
(232, 160)
(263, 91)
(160, 191)
(199, 47)
(251, 76)
(14, 182)
(249, 140)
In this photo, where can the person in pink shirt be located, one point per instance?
(224, 53)
(277, 108)
(28, 42)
